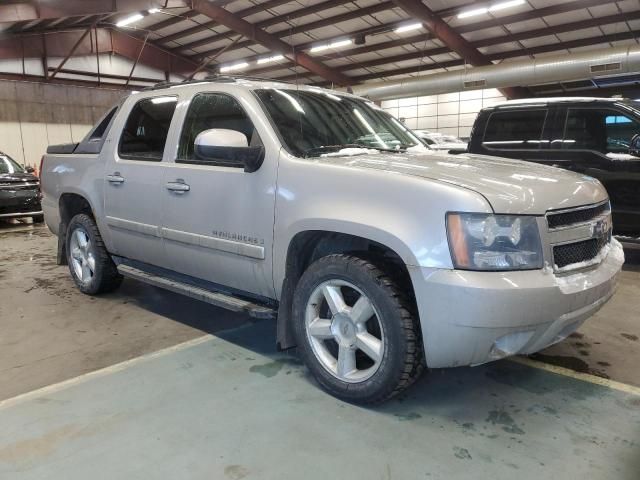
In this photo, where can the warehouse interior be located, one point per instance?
(143, 382)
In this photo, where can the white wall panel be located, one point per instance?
(79, 131)
(34, 141)
(11, 140)
(428, 110)
(452, 113)
(58, 133)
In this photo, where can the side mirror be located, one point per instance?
(634, 145)
(229, 148)
(29, 169)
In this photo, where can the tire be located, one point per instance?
(91, 266)
(387, 344)
(37, 219)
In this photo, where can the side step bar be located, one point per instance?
(218, 299)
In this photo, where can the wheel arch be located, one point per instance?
(307, 246)
(70, 204)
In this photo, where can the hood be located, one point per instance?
(18, 178)
(510, 186)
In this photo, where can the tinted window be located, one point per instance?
(145, 132)
(518, 129)
(99, 131)
(602, 130)
(214, 110)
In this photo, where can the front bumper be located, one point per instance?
(19, 203)
(469, 318)
(34, 213)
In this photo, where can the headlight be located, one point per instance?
(481, 241)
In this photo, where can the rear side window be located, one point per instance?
(100, 129)
(145, 133)
(517, 129)
(600, 130)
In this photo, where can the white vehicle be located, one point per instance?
(377, 256)
(440, 141)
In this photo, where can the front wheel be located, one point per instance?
(90, 264)
(355, 330)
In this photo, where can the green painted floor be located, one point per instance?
(231, 407)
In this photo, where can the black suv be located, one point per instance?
(19, 191)
(594, 136)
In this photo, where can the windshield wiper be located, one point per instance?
(329, 148)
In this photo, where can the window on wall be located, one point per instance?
(214, 110)
(605, 131)
(518, 129)
(145, 133)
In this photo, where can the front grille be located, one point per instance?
(557, 220)
(578, 252)
(18, 186)
(31, 206)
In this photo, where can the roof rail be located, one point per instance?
(212, 78)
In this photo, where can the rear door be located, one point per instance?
(218, 219)
(133, 179)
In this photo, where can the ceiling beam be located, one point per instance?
(307, 27)
(172, 20)
(555, 47)
(452, 39)
(109, 41)
(529, 34)
(209, 25)
(268, 40)
(466, 28)
(72, 51)
(68, 81)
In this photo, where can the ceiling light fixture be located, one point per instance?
(336, 44)
(492, 8)
(273, 58)
(153, 10)
(136, 17)
(409, 27)
(231, 68)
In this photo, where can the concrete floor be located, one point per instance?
(231, 407)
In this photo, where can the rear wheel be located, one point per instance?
(355, 330)
(90, 264)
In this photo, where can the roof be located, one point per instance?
(538, 101)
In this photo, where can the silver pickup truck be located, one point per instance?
(377, 256)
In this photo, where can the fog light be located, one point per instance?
(510, 344)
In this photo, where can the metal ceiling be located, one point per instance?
(186, 36)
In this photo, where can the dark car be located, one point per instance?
(19, 191)
(587, 135)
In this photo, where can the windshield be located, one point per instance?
(8, 165)
(313, 123)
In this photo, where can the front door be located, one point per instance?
(133, 180)
(595, 141)
(218, 219)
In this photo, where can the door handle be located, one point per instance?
(178, 187)
(115, 178)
